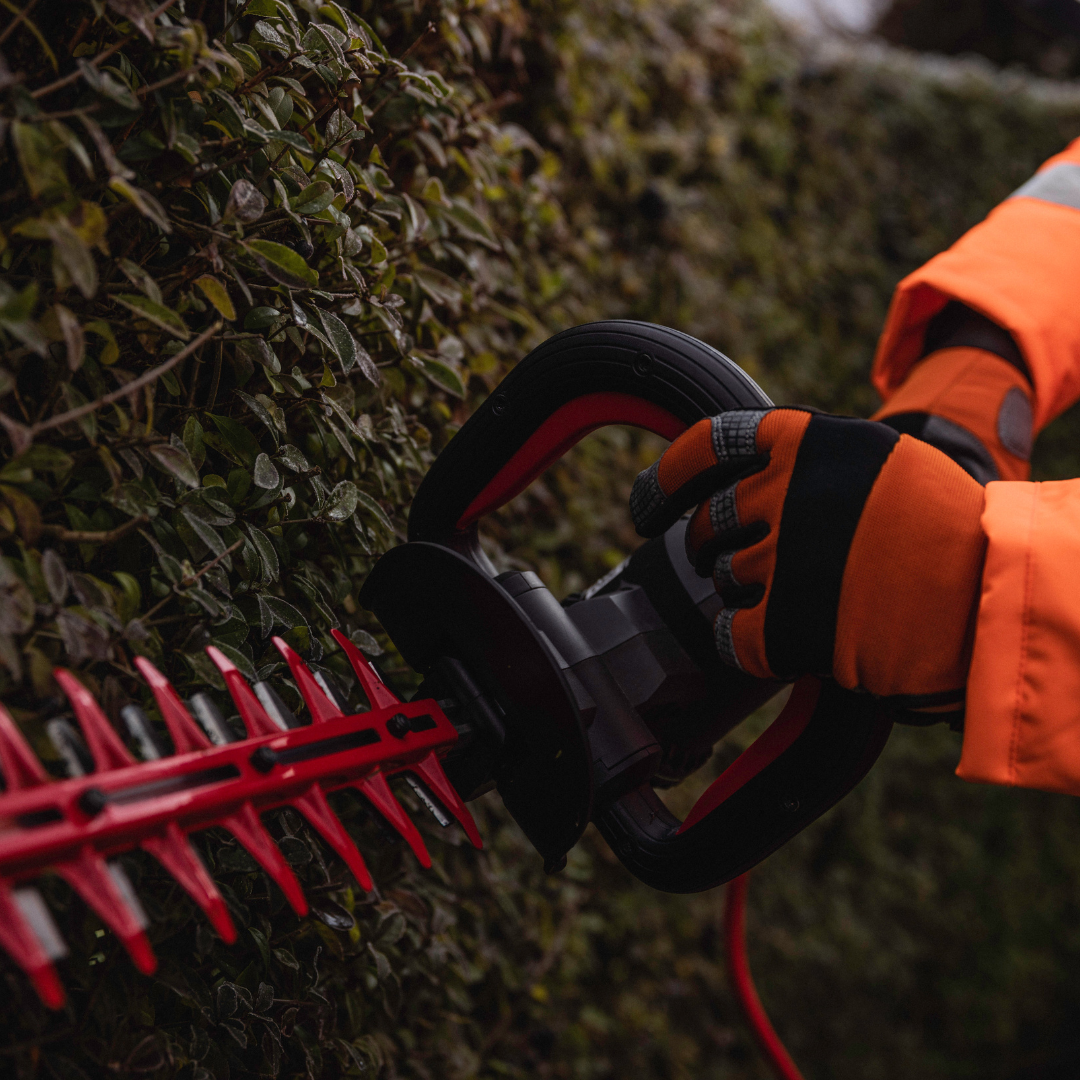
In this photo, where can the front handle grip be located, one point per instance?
(614, 372)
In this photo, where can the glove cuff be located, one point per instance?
(972, 405)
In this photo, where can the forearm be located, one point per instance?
(1018, 269)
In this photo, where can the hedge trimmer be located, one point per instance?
(574, 711)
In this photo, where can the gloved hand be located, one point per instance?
(839, 547)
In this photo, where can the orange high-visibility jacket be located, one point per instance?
(1021, 268)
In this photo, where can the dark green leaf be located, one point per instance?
(292, 459)
(158, 314)
(283, 264)
(314, 198)
(442, 375)
(342, 501)
(239, 439)
(175, 460)
(259, 318)
(264, 474)
(267, 554)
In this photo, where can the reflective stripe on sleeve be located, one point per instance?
(1059, 184)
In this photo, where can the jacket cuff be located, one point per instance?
(1022, 720)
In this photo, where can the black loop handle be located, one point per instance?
(614, 372)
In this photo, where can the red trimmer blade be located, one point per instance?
(213, 778)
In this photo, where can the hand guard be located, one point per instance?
(839, 548)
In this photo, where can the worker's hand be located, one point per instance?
(839, 547)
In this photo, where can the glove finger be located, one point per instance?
(735, 593)
(713, 453)
(716, 528)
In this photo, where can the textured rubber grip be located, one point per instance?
(614, 372)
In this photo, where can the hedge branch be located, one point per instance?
(101, 57)
(83, 536)
(22, 435)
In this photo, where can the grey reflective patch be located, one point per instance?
(734, 434)
(1015, 423)
(1059, 184)
(723, 513)
(725, 644)
(646, 496)
(723, 578)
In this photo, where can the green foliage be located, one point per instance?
(268, 268)
(256, 263)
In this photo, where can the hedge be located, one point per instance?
(259, 264)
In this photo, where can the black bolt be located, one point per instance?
(642, 364)
(263, 759)
(790, 804)
(398, 725)
(92, 801)
(499, 404)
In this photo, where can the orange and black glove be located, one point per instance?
(839, 547)
(970, 396)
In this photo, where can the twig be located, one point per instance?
(239, 11)
(67, 80)
(215, 381)
(7, 31)
(101, 57)
(42, 118)
(189, 581)
(176, 76)
(429, 29)
(194, 376)
(25, 434)
(82, 536)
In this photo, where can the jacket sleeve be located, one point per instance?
(1022, 722)
(1020, 268)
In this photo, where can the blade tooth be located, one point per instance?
(18, 762)
(176, 854)
(251, 711)
(425, 796)
(379, 695)
(105, 745)
(259, 844)
(319, 705)
(183, 731)
(140, 731)
(29, 936)
(275, 708)
(217, 729)
(431, 772)
(334, 693)
(325, 822)
(378, 793)
(36, 913)
(106, 889)
(69, 744)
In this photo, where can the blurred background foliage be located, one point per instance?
(341, 224)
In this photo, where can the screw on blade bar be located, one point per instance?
(112, 803)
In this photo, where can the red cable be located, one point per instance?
(743, 983)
